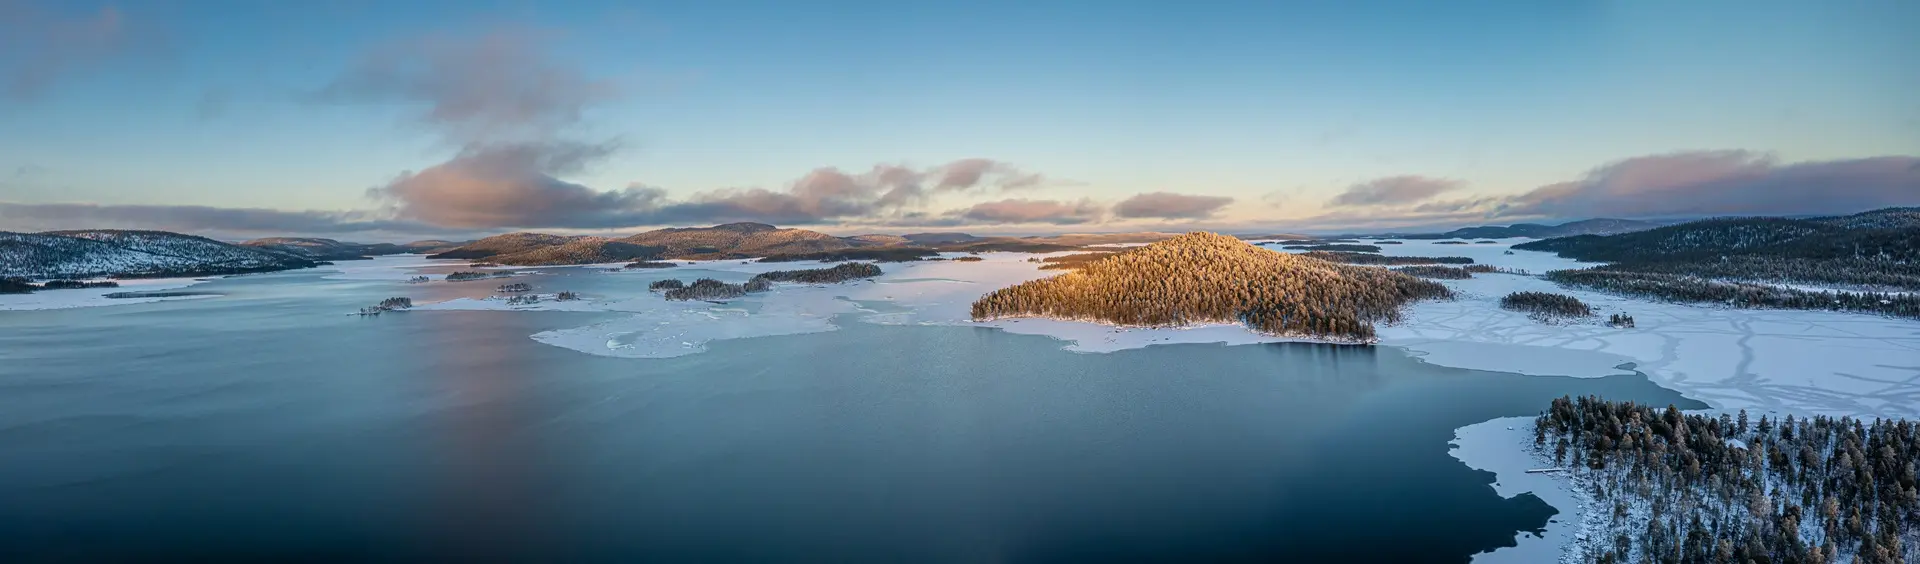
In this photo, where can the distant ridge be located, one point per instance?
(1534, 230)
(132, 254)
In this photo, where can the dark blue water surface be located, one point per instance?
(266, 425)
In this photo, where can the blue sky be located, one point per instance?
(1266, 111)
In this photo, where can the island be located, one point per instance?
(710, 289)
(1210, 278)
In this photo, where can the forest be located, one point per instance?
(1073, 261)
(12, 285)
(1682, 288)
(462, 275)
(1381, 260)
(18, 285)
(668, 284)
(649, 264)
(1436, 272)
(838, 273)
(1210, 278)
(710, 289)
(1544, 306)
(1682, 488)
(1877, 249)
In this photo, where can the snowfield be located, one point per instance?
(1504, 446)
(97, 297)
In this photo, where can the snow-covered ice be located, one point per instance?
(1504, 446)
(96, 297)
(389, 267)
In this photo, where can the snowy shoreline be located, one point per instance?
(1504, 446)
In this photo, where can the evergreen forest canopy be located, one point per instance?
(1210, 278)
(1879, 248)
(1680, 488)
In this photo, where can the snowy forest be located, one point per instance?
(1210, 278)
(837, 273)
(1877, 249)
(1690, 488)
(1681, 288)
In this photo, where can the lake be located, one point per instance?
(266, 424)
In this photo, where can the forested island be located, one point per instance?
(1690, 488)
(1211, 278)
(835, 274)
(711, 289)
(1543, 306)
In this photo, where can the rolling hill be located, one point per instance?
(1876, 248)
(132, 254)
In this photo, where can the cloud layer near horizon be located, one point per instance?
(465, 196)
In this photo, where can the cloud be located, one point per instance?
(38, 47)
(1168, 205)
(967, 174)
(1393, 191)
(1726, 183)
(36, 217)
(498, 86)
(1021, 210)
(516, 185)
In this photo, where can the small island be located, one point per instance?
(1211, 278)
(711, 290)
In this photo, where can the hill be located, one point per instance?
(511, 243)
(1877, 249)
(737, 240)
(315, 248)
(1210, 278)
(132, 254)
(585, 250)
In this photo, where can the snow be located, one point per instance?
(390, 267)
(96, 297)
(1504, 446)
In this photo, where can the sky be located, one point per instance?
(396, 120)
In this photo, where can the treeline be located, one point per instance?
(710, 289)
(12, 285)
(1679, 488)
(1210, 278)
(1381, 260)
(463, 275)
(1542, 305)
(1681, 288)
(1335, 247)
(838, 273)
(1436, 271)
(881, 254)
(1874, 249)
(649, 264)
(17, 285)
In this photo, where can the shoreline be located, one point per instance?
(1504, 446)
